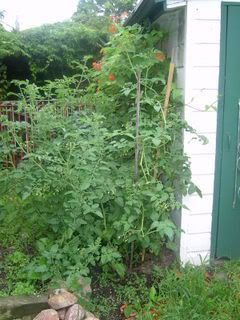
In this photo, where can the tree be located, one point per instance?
(48, 52)
(54, 48)
(93, 8)
(11, 50)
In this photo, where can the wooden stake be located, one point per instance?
(166, 104)
(168, 88)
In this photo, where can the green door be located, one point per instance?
(227, 226)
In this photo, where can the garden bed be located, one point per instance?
(200, 293)
(160, 293)
(88, 186)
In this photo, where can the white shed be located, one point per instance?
(205, 36)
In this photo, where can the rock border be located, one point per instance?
(64, 306)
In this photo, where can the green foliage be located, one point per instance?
(77, 185)
(14, 269)
(52, 49)
(90, 8)
(175, 293)
(49, 52)
(192, 293)
(10, 45)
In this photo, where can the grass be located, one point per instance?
(187, 293)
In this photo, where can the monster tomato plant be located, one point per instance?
(133, 77)
(103, 167)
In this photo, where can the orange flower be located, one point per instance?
(97, 66)
(160, 56)
(112, 28)
(111, 77)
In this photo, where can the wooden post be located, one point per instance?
(166, 104)
(168, 88)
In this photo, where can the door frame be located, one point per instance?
(220, 118)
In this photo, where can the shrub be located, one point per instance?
(103, 165)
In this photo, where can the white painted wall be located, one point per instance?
(194, 34)
(201, 89)
(195, 37)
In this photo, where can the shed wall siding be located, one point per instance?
(201, 90)
(175, 3)
(194, 35)
(174, 23)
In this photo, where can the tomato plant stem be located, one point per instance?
(138, 107)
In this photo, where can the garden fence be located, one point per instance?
(9, 112)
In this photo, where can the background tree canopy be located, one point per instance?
(49, 52)
(103, 7)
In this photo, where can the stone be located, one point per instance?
(90, 316)
(62, 313)
(18, 307)
(48, 314)
(75, 312)
(61, 299)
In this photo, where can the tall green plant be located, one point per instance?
(87, 182)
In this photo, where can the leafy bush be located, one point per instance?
(49, 51)
(103, 165)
